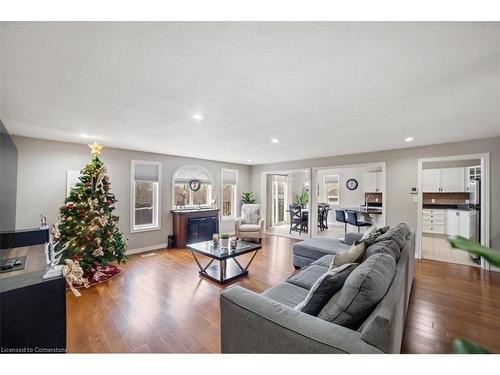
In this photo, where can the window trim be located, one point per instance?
(156, 198)
(212, 184)
(236, 203)
(326, 189)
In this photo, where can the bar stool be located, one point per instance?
(352, 218)
(340, 217)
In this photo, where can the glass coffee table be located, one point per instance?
(229, 268)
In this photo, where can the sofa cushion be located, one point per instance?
(325, 260)
(362, 291)
(316, 247)
(306, 277)
(369, 232)
(324, 288)
(249, 228)
(390, 247)
(353, 255)
(250, 214)
(287, 294)
(398, 233)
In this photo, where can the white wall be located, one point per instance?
(348, 198)
(42, 167)
(401, 174)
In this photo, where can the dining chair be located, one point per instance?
(352, 219)
(298, 219)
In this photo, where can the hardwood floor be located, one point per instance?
(160, 304)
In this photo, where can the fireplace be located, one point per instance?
(201, 229)
(192, 226)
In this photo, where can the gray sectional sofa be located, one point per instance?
(268, 322)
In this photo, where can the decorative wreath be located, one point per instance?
(195, 185)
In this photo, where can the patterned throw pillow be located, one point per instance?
(369, 232)
(250, 214)
(353, 255)
(324, 288)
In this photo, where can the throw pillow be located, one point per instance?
(383, 230)
(369, 232)
(324, 288)
(250, 214)
(353, 255)
(363, 289)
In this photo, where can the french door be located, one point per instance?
(279, 199)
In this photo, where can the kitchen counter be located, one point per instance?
(362, 210)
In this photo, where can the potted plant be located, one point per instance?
(224, 240)
(247, 198)
(303, 198)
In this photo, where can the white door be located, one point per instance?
(452, 180)
(464, 224)
(452, 222)
(370, 182)
(431, 180)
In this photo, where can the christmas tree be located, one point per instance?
(88, 230)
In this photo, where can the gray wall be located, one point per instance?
(8, 180)
(402, 174)
(42, 183)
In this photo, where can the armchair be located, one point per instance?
(250, 225)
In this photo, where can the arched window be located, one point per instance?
(192, 187)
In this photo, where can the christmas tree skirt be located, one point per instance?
(100, 274)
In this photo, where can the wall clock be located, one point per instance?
(194, 185)
(351, 184)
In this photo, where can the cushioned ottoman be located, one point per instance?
(306, 252)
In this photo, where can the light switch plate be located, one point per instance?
(415, 199)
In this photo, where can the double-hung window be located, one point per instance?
(229, 178)
(145, 213)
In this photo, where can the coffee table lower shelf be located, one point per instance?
(224, 272)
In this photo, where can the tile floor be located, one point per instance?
(435, 247)
(335, 230)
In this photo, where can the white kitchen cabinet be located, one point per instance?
(431, 180)
(459, 223)
(433, 220)
(452, 180)
(443, 180)
(452, 222)
(373, 182)
(472, 173)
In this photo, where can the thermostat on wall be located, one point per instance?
(413, 190)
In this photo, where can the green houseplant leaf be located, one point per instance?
(247, 198)
(462, 346)
(462, 243)
(303, 198)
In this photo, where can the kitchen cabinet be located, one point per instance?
(472, 173)
(431, 180)
(373, 182)
(443, 180)
(459, 223)
(433, 220)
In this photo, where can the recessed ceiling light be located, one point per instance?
(197, 117)
(274, 140)
(408, 139)
(85, 136)
(249, 161)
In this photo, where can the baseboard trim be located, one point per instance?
(147, 248)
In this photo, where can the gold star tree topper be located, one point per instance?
(95, 149)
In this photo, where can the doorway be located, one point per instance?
(280, 189)
(358, 188)
(453, 196)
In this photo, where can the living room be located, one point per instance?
(166, 187)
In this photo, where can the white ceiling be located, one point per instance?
(320, 88)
